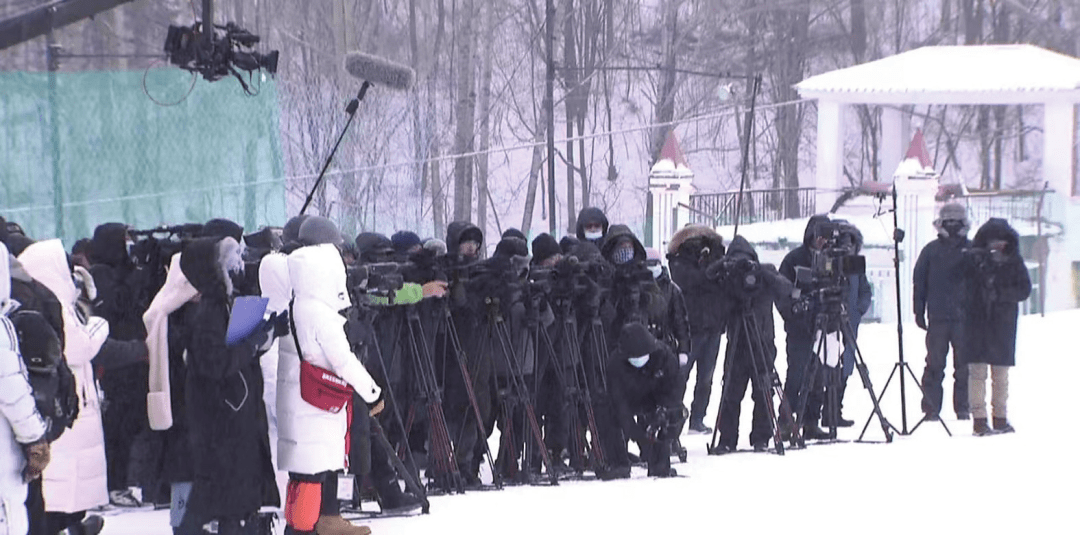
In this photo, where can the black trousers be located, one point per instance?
(800, 350)
(738, 373)
(123, 419)
(940, 335)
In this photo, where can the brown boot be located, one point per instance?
(1001, 425)
(336, 525)
(982, 428)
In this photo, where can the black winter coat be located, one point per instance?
(673, 325)
(642, 390)
(228, 431)
(691, 251)
(773, 290)
(802, 256)
(993, 290)
(939, 279)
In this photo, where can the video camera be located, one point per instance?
(740, 277)
(833, 263)
(230, 48)
(382, 279)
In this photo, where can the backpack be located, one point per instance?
(51, 379)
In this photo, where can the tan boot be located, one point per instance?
(335, 525)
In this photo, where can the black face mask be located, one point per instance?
(954, 228)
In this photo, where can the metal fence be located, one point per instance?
(719, 209)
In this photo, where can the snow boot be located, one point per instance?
(699, 427)
(92, 525)
(1001, 425)
(761, 447)
(811, 431)
(393, 500)
(336, 525)
(963, 416)
(982, 428)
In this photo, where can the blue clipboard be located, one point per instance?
(247, 315)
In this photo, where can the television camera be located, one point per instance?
(837, 259)
(230, 48)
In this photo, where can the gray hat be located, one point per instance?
(291, 232)
(954, 211)
(318, 230)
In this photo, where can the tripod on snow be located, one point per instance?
(836, 314)
(765, 383)
(570, 372)
(513, 395)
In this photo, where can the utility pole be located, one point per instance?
(549, 108)
(52, 58)
(208, 23)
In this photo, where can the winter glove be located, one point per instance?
(278, 324)
(37, 458)
(377, 408)
(435, 289)
(920, 320)
(801, 306)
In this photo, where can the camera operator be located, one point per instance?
(463, 243)
(997, 281)
(592, 226)
(672, 326)
(406, 243)
(691, 251)
(800, 327)
(633, 295)
(550, 396)
(939, 290)
(753, 289)
(859, 296)
(123, 295)
(644, 377)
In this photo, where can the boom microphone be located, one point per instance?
(379, 71)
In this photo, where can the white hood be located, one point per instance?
(5, 280)
(318, 273)
(274, 281)
(46, 262)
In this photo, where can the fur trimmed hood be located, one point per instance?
(690, 232)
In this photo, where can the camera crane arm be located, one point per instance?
(40, 21)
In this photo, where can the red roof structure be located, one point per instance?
(672, 151)
(917, 149)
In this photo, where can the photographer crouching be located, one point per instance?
(752, 290)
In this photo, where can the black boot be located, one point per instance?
(811, 431)
(827, 414)
(1001, 425)
(92, 525)
(982, 428)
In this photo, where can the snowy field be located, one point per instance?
(923, 483)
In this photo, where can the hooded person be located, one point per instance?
(635, 295)
(752, 289)
(938, 295)
(311, 439)
(75, 480)
(672, 326)
(592, 225)
(690, 252)
(24, 452)
(799, 326)
(224, 396)
(122, 298)
(996, 282)
(858, 296)
(463, 242)
(644, 378)
(514, 233)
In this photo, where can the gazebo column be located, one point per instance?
(1057, 163)
(830, 154)
(894, 140)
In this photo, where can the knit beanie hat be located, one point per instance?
(318, 230)
(403, 240)
(544, 247)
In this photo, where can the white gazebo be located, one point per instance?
(671, 183)
(962, 75)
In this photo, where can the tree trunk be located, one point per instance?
(482, 193)
(665, 98)
(573, 89)
(464, 111)
(438, 196)
(534, 177)
(858, 29)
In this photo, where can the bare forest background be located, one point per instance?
(468, 141)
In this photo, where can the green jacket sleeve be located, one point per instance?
(409, 294)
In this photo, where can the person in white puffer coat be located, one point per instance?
(75, 480)
(311, 441)
(20, 423)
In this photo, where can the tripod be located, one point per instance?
(570, 372)
(766, 382)
(836, 315)
(901, 365)
(512, 392)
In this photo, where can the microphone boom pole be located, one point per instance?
(350, 109)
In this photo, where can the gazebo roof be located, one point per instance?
(983, 74)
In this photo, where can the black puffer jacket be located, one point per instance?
(691, 251)
(939, 279)
(634, 296)
(772, 289)
(994, 288)
(228, 431)
(801, 256)
(673, 326)
(642, 390)
(122, 295)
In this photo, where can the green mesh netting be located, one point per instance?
(115, 155)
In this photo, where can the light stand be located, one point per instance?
(901, 365)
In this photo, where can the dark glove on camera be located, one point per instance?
(801, 306)
(920, 320)
(278, 324)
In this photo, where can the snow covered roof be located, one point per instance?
(672, 162)
(983, 74)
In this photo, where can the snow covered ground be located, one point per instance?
(926, 482)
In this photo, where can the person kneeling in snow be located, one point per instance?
(644, 380)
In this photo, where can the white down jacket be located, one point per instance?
(75, 479)
(20, 422)
(311, 440)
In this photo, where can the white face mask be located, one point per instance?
(638, 362)
(656, 271)
(593, 236)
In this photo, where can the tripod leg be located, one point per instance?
(410, 482)
(467, 378)
(864, 374)
(764, 372)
